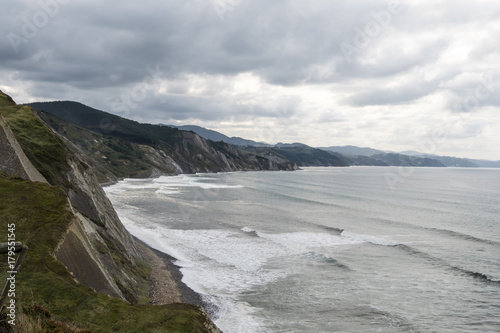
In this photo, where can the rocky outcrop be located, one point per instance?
(196, 154)
(77, 251)
(98, 236)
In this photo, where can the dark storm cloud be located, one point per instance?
(281, 41)
(228, 60)
(84, 40)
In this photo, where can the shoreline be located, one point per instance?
(166, 284)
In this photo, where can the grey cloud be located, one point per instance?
(96, 52)
(281, 41)
(186, 107)
(471, 91)
(395, 96)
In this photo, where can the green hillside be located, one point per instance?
(117, 147)
(301, 154)
(107, 123)
(110, 156)
(48, 298)
(44, 149)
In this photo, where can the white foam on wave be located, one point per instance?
(360, 238)
(247, 229)
(222, 264)
(149, 235)
(192, 181)
(167, 185)
(140, 187)
(132, 180)
(167, 191)
(113, 189)
(210, 185)
(303, 242)
(124, 185)
(217, 264)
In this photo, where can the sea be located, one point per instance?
(357, 249)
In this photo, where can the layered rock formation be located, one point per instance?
(95, 248)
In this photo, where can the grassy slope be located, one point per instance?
(47, 295)
(6, 100)
(111, 156)
(107, 123)
(116, 146)
(46, 291)
(117, 132)
(43, 148)
(49, 155)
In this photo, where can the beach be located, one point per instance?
(166, 279)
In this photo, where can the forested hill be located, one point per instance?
(119, 147)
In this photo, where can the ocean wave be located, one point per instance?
(477, 275)
(167, 192)
(376, 240)
(412, 251)
(337, 231)
(443, 263)
(303, 242)
(465, 236)
(328, 260)
(250, 231)
(191, 181)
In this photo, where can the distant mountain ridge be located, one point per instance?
(303, 155)
(353, 150)
(394, 159)
(120, 147)
(217, 136)
(450, 161)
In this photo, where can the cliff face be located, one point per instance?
(93, 245)
(196, 154)
(96, 225)
(118, 147)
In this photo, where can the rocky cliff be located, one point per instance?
(88, 238)
(118, 147)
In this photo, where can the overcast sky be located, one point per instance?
(419, 75)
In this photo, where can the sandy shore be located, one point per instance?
(165, 278)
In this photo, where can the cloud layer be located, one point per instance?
(384, 74)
